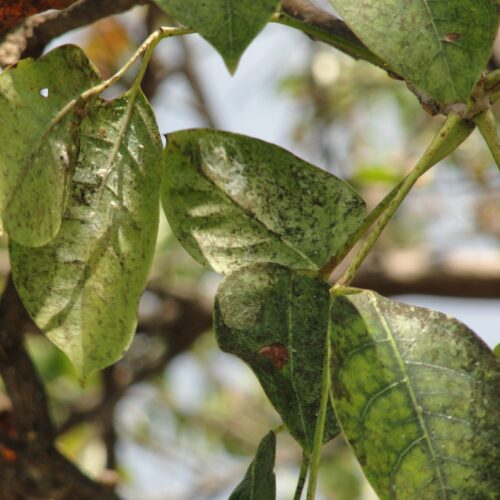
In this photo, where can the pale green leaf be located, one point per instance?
(38, 143)
(229, 25)
(440, 46)
(417, 395)
(232, 200)
(276, 321)
(259, 482)
(83, 288)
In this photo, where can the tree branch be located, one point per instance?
(35, 469)
(31, 37)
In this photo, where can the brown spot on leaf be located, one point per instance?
(451, 37)
(276, 353)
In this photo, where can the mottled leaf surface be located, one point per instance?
(259, 482)
(83, 288)
(38, 149)
(441, 46)
(417, 396)
(229, 25)
(276, 321)
(232, 200)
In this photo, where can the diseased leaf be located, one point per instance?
(440, 46)
(232, 200)
(83, 288)
(14, 11)
(229, 25)
(38, 149)
(416, 393)
(276, 321)
(259, 482)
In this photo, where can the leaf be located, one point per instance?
(38, 147)
(440, 46)
(229, 25)
(276, 321)
(416, 394)
(232, 200)
(14, 11)
(83, 288)
(259, 482)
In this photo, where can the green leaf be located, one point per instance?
(232, 200)
(38, 143)
(440, 46)
(276, 321)
(229, 25)
(259, 482)
(416, 394)
(83, 288)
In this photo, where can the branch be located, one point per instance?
(36, 468)
(31, 37)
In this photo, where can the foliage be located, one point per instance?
(412, 390)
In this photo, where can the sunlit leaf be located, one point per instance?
(229, 25)
(441, 46)
(38, 144)
(232, 200)
(259, 482)
(83, 288)
(276, 321)
(416, 393)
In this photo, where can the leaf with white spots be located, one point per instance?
(229, 25)
(417, 396)
(276, 321)
(440, 46)
(39, 142)
(233, 200)
(83, 288)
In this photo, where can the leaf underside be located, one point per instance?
(229, 25)
(233, 200)
(416, 394)
(37, 154)
(83, 288)
(276, 321)
(440, 46)
(259, 482)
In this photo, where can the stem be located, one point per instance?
(304, 467)
(444, 142)
(349, 47)
(456, 134)
(320, 424)
(487, 125)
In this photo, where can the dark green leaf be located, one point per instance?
(276, 321)
(416, 393)
(259, 482)
(83, 288)
(232, 200)
(441, 46)
(39, 144)
(229, 25)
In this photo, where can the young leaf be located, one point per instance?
(229, 25)
(259, 482)
(416, 393)
(276, 321)
(440, 46)
(83, 288)
(232, 200)
(38, 144)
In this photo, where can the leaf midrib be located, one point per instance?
(255, 217)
